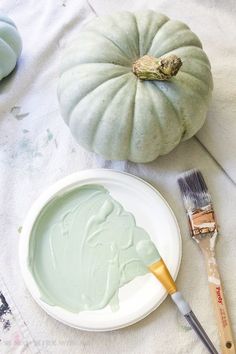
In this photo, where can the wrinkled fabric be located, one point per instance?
(36, 149)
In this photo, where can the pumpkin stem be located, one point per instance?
(151, 68)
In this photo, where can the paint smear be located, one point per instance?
(14, 334)
(16, 112)
(83, 249)
(5, 313)
(49, 135)
(214, 280)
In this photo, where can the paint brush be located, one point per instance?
(153, 261)
(203, 226)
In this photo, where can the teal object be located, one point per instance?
(10, 45)
(83, 249)
(147, 252)
(112, 112)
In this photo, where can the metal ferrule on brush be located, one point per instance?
(202, 221)
(162, 273)
(197, 201)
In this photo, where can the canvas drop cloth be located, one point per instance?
(36, 149)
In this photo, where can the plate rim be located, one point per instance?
(43, 199)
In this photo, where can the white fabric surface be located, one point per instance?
(37, 149)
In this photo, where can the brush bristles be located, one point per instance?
(194, 190)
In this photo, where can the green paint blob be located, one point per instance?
(49, 135)
(147, 252)
(19, 229)
(83, 248)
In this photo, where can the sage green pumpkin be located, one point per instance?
(116, 114)
(10, 45)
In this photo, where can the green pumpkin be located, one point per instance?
(10, 45)
(134, 85)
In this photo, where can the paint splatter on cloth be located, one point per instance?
(16, 112)
(5, 313)
(14, 335)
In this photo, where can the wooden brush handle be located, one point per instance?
(216, 290)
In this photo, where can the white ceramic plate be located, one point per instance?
(142, 295)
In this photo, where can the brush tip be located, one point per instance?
(194, 190)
